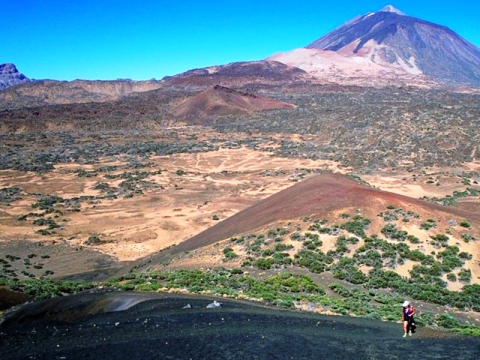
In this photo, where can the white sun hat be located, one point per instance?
(406, 303)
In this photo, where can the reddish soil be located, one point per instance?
(224, 101)
(318, 196)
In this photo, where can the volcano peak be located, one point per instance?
(391, 9)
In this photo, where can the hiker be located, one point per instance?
(411, 321)
(408, 311)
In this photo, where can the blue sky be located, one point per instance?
(110, 39)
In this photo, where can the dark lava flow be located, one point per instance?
(114, 325)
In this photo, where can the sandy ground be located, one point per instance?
(218, 183)
(443, 181)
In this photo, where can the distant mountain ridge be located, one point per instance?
(236, 75)
(239, 73)
(390, 41)
(51, 92)
(382, 48)
(10, 76)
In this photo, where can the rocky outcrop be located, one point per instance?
(10, 76)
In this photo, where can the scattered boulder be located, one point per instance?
(214, 305)
(452, 223)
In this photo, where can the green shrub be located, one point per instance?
(339, 289)
(45, 289)
(370, 258)
(465, 275)
(467, 237)
(316, 262)
(441, 238)
(239, 240)
(282, 247)
(280, 258)
(271, 232)
(229, 254)
(295, 236)
(263, 264)
(447, 321)
(451, 277)
(465, 224)
(413, 239)
(295, 283)
(391, 232)
(465, 256)
(246, 262)
(148, 286)
(388, 216)
(345, 269)
(424, 319)
(267, 252)
(12, 257)
(430, 223)
(357, 226)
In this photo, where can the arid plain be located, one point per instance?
(120, 212)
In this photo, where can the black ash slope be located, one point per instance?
(159, 328)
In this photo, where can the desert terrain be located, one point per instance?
(277, 208)
(179, 197)
(196, 198)
(258, 192)
(138, 209)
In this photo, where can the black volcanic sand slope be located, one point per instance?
(158, 328)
